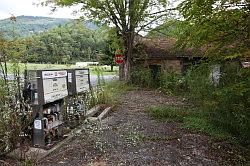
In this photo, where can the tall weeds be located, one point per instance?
(225, 104)
(142, 77)
(13, 116)
(106, 93)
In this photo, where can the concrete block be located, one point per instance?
(104, 113)
(92, 111)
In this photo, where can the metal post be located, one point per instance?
(38, 130)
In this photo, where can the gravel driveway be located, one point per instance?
(129, 136)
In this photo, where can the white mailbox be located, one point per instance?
(45, 86)
(78, 81)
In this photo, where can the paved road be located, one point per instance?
(106, 78)
(93, 78)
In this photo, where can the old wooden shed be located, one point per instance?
(159, 54)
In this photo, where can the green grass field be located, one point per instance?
(94, 70)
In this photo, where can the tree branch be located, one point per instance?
(150, 22)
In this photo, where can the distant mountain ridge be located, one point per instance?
(28, 25)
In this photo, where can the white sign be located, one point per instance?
(69, 77)
(82, 72)
(82, 81)
(54, 74)
(215, 74)
(38, 124)
(54, 85)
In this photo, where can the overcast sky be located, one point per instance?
(27, 7)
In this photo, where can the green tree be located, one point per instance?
(11, 102)
(221, 27)
(72, 42)
(128, 16)
(171, 28)
(113, 43)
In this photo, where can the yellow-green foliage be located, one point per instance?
(227, 103)
(10, 120)
(142, 77)
(107, 93)
(171, 82)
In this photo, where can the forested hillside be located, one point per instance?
(65, 44)
(54, 40)
(26, 25)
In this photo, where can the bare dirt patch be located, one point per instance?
(129, 136)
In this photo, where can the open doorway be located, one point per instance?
(155, 72)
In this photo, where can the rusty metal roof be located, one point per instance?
(163, 48)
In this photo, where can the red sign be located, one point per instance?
(119, 59)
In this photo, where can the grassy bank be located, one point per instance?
(222, 107)
(191, 118)
(198, 121)
(107, 93)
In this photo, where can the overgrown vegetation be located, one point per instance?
(223, 105)
(10, 120)
(142, 77)
(191, 118)
(106, 93)
(171, 83)
(218, 31)
(12, 111)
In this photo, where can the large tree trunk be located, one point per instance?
(127, 67)
(128, 54)
(121, 72)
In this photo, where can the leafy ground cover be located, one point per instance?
(190, 118)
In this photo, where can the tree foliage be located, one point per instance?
(171, 28)
(66, 44)
(113, 43)
(127, 16)
(220, 28)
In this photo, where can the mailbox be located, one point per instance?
(78, 81)
(45, 86)
(44, 91)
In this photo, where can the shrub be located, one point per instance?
(225, 105)
(142, 77)
(232, 111)
(12, 119)
(106, 93)
(171, 82)
(228, 102)
(97, 95)
(198, 83)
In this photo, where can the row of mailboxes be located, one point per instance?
(44, 90)
(46, 86)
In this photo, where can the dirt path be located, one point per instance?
(129, 136)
